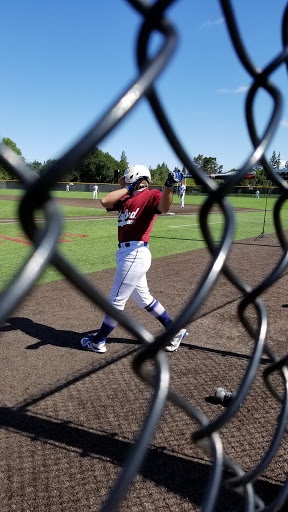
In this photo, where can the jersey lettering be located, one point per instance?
(126, 217)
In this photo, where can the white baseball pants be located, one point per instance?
(130, 278)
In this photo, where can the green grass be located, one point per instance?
(76, 195)
(77, 211)
(9, 210)
(171, 234)
(237, 202)
(10, 192)
(59, 193)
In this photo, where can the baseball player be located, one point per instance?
(95, 191)
(182, 190)
(137, 208)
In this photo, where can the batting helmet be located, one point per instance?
(136, 171)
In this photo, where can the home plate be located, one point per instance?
(170, 213)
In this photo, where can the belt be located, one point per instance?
(131, 244)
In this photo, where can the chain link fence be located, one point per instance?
(45, 252)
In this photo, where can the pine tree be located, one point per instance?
(123, 164)
(275, 161)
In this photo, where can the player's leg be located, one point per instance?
(143, 298)
(141, 295)
(130, 268)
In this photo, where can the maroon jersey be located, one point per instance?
(137, 214)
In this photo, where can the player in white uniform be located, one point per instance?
(137, 207)
(95, 191)
(182, 190)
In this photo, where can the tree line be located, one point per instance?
(100, 167)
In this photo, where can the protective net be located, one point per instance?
(223, 469)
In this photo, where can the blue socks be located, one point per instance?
(103, 332)
(156, 309)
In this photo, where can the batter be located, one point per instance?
(137, 207)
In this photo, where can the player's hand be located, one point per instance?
(135, 185)
(121, 182)
(173, 177)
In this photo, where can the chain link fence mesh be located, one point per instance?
(45, 240)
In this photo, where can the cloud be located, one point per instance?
(284, 123)
(239, 90)
(211, 23)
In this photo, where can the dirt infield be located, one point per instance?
(68, 417)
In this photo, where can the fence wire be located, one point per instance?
(46, 252)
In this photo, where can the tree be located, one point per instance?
(12, 145)
(275, 161)
(97, 167)
(159, 175)
(46, 165)
(278, 160)
(123, 164)
(4, 173)
(35, 166)
(260, 178)
(258, 167)
(198, 160)
(208, 164)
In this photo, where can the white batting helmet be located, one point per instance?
(135, 171)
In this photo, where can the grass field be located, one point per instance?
(91, 244)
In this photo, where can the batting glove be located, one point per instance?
(135, 185)
(173, 177)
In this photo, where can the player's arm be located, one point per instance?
(167, 194)
(166, 200)
(112, 198)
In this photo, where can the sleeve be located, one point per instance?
(118, 205)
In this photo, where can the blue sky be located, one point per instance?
(63, 63)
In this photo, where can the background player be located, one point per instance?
(95, 191)
(137, 207)
(182, 190)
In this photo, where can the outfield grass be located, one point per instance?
(9, 210)
(95, 250)
(236, 201)
(10, 192)
(59, 193)
(91, 244)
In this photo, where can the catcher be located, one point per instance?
(137, 207)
